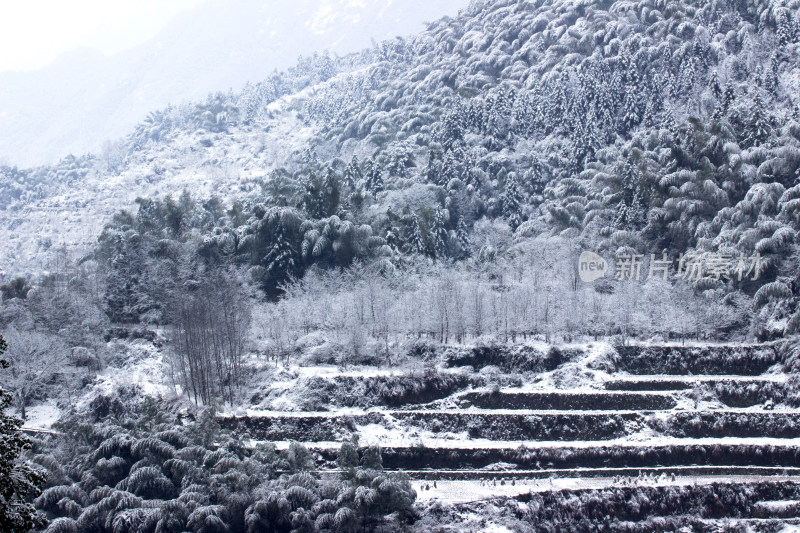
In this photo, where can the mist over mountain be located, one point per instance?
(85, 98)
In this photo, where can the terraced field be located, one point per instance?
(600, 419)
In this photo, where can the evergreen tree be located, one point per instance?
(123, 298)
(448, 169)
(331, 193)
(398, 160)
(280, 261)
(433, 171)
(668, 123)
(785, 30)
(631, 211)
(17, 478)
(631, 111)
(439, 233)
(759, 129)
(536, 179)
(353, 174)
(314, 198)
(728, 98)
(462, 235)
(771, 76)
(415, 242)
(714, 85)
(512, 201)
(374, 182)
(621, 216)
(637, 212)
(453, 129)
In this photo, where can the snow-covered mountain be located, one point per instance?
(85, 98)
(380, 253)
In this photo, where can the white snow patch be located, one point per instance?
(463, 491)
(145, 369)
(42, 416)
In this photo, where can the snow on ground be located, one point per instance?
(463, 491)
(144, 369)
(532, 389)
(580, 374)
(496, 529)
(74, 214)
(775, 505)
(286, 383)
(42, 416)
(375, 434)
(700, 378)
(354, 411)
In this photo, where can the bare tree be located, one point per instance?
(36, 359)
(211, 320)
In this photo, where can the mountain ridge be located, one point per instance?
(215, 46)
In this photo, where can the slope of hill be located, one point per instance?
(648, 128)
(85, 98)
(378, 253)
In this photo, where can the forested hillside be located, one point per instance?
(416, 204)
(649, 127)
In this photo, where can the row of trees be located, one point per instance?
(534, 294)
(210, 321)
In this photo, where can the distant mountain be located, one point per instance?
(85, 98)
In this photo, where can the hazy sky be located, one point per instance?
(34, 32)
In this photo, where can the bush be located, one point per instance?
(140, 482)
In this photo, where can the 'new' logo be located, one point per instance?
(591, 267)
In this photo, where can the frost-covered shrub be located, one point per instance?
(224, 487)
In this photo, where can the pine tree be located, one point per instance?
(759, 125)
(716, 88)
(448, 169)
(462, 235)
(512, 201)
(374, 182)
(439, 233)
(621, 216)
(785, 31)
(631, 112)
(331, 193)
(415, 242)
(353, 174)
(631, 211)
(310, 158)
(367, 168)
(17, 478)
(314, 198)
(668, 123)
(771, 76)
(728, 98)
(636, 213)
(280, 260)
(433, 171)
(453, 130)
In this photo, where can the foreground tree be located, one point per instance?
(17, 479)
(35, 359)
